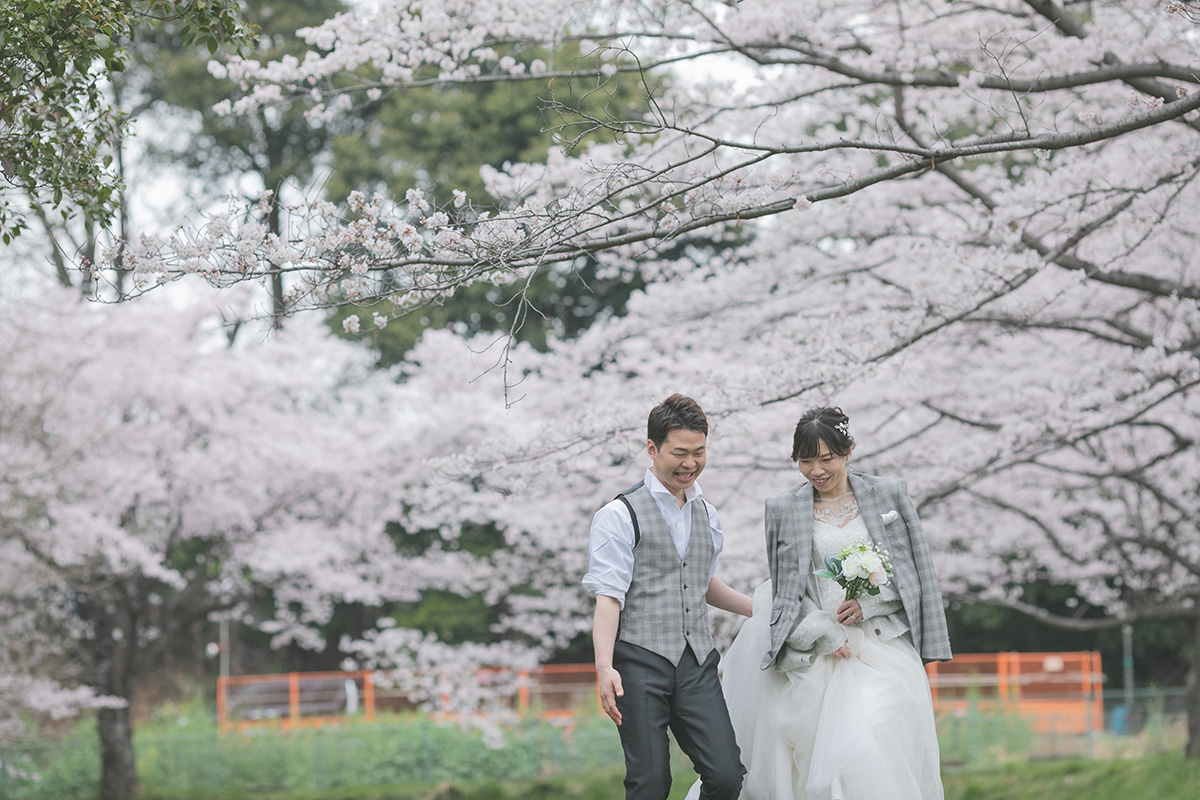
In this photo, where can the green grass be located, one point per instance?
(1161, 777)
(409, 757)
(593, 787)
(182, 755)
(1164, 777)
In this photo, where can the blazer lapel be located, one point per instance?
(804, 528)
(868, 506)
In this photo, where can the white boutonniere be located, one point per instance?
(889, 517)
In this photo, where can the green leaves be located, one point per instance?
(57, 120)
(833, 568)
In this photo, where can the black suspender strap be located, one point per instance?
(637, 533)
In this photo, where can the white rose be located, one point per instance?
(878, 577)
(853, 566)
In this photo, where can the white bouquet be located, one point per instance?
(860, 569)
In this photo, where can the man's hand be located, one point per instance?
(609, 684)
(604, 637)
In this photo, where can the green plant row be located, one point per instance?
(181, 755)
(411, 751)
(1162, 777)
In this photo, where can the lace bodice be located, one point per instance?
(830, 539)
(837, 515)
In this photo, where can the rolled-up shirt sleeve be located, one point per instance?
(610, 552)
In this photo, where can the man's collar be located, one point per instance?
(656, 487)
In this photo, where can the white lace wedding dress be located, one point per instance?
(860, 728)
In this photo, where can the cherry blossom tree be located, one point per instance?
(849, 98)
(155, 478)
(969, 224)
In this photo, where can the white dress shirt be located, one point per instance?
(610, 554)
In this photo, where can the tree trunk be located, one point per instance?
(1193, 694)
(279, 307)
(113, 660)
(118, 771)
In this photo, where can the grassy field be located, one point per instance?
(1163, 777)
(181, 756)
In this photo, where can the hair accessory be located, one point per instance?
(843, 427)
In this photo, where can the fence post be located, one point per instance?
(215, 761)
(523, 692)
(535, 751)
(222, 688)
(322, 779)
(294, 698)
(369, 695)
(1090, 714)
(974, 721)
(426, 770)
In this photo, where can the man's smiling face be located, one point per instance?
(680, 459)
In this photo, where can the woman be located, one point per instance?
(839, 708)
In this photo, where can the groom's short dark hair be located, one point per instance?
(676, 411)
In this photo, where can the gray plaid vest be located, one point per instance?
(665, 609)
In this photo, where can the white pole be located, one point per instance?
(223, 644)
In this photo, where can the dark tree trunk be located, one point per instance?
(113, 650)
(1193, 694)
(279, 309)
(118, 772)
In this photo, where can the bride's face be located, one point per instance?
(827, 472)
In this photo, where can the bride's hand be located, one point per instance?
(849, 613)
(842, 652)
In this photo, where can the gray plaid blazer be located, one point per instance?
(789, 522)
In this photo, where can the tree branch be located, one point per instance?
(1182, 610)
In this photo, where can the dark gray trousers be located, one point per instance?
(688, 700)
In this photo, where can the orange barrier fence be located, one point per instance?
(1055, 692)
(293, 699)
(1061, 692)
(307, 699)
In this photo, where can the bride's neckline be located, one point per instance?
(819, 499)
(838, 515)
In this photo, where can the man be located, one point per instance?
(653, 557)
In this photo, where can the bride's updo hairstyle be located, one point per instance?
(822, 424)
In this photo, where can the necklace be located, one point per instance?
(820, 499)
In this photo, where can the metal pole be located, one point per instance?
(223, 645)
(1127, 668)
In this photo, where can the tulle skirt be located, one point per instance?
(859, 728)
